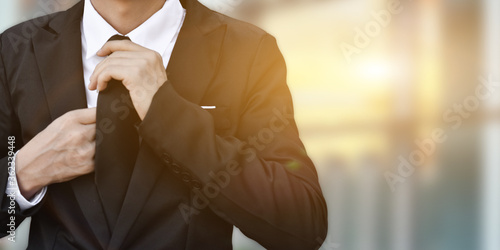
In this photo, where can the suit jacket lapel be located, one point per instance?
(191, 69)
(59, 56)
(196, 54)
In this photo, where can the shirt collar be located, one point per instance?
(155, 33)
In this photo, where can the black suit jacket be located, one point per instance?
(198, 172)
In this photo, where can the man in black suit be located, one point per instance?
(217, 142)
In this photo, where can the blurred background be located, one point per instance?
(398, 104)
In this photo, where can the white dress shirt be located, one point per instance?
(158, 33)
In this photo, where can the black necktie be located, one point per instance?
(117, 145)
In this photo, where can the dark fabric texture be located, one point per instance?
(117, 145)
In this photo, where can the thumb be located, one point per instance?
(85, 116)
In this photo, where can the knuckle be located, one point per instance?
(66, 123)
(69, 116)
(90, 152)
(158, 56)
(136, 70)
(90, 130)
(101, 76)
(89, 168)
(78, 157)
(76, 136)
(152, 55)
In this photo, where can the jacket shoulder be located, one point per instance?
(28, 28)
(243, 31)
(18, 37)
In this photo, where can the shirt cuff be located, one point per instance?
(13, 190)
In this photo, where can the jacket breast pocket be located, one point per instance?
(221, 118)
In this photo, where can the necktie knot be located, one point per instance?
(119, 38)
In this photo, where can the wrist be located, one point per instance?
(29, 183)
(142, 101)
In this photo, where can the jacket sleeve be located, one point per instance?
(261, 179)
(10, 212)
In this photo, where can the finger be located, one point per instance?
(95, 74)
(89, 167)
(123, 45)
(91, 163)
(85, 116)
(90, 132)
(127, 54)
(86, 150)
(118, 73)
(113, 62)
